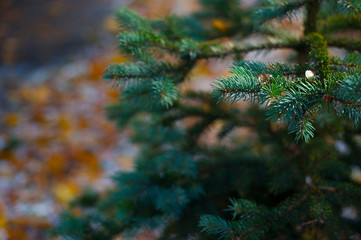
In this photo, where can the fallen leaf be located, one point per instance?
(65, 192)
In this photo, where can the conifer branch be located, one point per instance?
(349, 44)
(234, 50)
(340, 22)
(351, 65)
(350, 7)
(143, 41)
(328, 98)
(280, 10)
(136, 71)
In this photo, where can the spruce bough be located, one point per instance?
(295, 176)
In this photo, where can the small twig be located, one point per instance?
(310, 222)
(327, 188)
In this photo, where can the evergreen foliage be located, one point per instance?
(293, 177)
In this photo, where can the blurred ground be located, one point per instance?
(36, 31)
(54, 138)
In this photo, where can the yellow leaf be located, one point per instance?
(201, 69)
(119, 59)
(39, 95)
(111, 25)
(3, 219)
(65, 192)
(64, 123)
(220, 25)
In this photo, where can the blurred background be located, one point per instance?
(54, 138)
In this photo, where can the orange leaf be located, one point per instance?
(89, 160)
(96, 70)
(220, 25)
(12, 119)
(56, 164)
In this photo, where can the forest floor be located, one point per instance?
(54, 138)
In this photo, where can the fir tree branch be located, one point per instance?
(130, 21)
(149, 44)
(327, 188)
(298, 203)
(235, 92)
(234, 50)
(346, 189)
(340, 22)
(254, 227)
(276, 219)
(221, 228)
(344, 64)
(309, 222)
(349, 44)
(350, 7)
(328, 98)
(279, 10)
(197, 50)
(298, 101)
(353, 58)
(136, 71)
